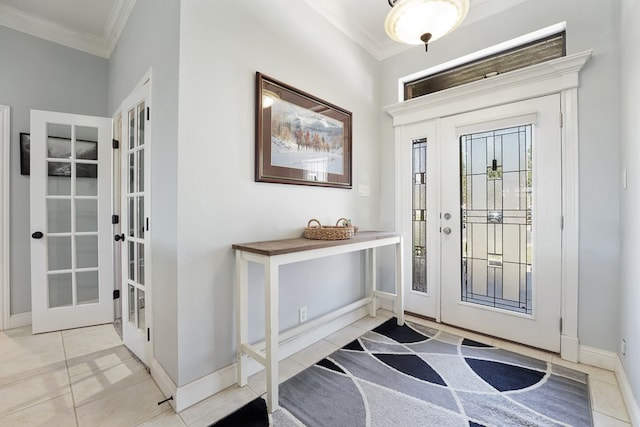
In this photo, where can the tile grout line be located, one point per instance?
(66, 363)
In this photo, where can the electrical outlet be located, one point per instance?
(623, 347)
(303, 314)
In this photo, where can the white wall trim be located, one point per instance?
(116, 22)
(202, 388)
(596, 357)
(561, 76)
(164, 382)
(633, 409)
(5, 230)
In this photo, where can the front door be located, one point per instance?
(501, 221)
(136, 332)
(71, 253)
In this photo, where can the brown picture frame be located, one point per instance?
(300, 139)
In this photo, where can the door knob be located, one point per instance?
(447, 216)
(446, 230)
(119, 237)
(37, 235)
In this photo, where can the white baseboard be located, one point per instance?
(19, 320)
(202, 388)
(164, 382)
(598, 358)
(633, 409)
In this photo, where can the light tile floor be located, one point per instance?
(86, 377)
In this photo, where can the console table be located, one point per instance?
(272, 254)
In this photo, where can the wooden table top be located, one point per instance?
(287, 246)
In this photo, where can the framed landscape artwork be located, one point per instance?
(300, 139)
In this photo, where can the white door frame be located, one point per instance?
(557, 76)
(5, 234)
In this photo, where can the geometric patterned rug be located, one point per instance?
(413, 375)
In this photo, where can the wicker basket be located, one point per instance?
(317, 231)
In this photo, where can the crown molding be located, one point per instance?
(116, 22)
(102, 46)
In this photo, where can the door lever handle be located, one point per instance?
(119, 237)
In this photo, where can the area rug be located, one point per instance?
(413, 375)
(253, 414)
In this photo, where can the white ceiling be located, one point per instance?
(94, 25)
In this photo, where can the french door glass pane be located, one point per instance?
(496, 221)
(132, 262)
(141, 309)
(86, 215)
(86, 143)
(87, 251)
(132, 128)
(132, 304)
(141, 217)
(58, 141)
(59, 215)
(59, 253)
(141, 170)
(60, 290)
(141, 124)
(59, 178)
(130, 216)
(87, 285)
(140, 264)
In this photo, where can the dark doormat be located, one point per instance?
(253, 414)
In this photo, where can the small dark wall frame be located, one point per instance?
(25, 146)
(300, 139)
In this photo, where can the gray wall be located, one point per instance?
(630, 200)
(37, 74)
(222, 45)
(590, 25)
(150, 39)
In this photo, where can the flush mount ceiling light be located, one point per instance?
(421, 21)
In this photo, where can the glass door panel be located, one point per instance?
(496, 217)
(136, 220)
(72, 214)
(419, 219)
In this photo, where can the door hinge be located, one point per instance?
(147, 221)
(115, 144)
(561, 120)
(148, 112)
(562, 222)
(561, 325)
(148, 334)
(116, 293)
(115, 219)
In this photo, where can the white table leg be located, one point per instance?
(271, 333)
(241, 315)
(399, 302)
(373, 307)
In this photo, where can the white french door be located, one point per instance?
(71, 258)
(135, 203)
(485, 203)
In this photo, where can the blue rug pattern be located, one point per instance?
(413, 375)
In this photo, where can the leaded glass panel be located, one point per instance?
(419, 216)
(496, 220)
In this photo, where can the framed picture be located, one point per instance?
(60, 148)
(25, 157)
(300, 139)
